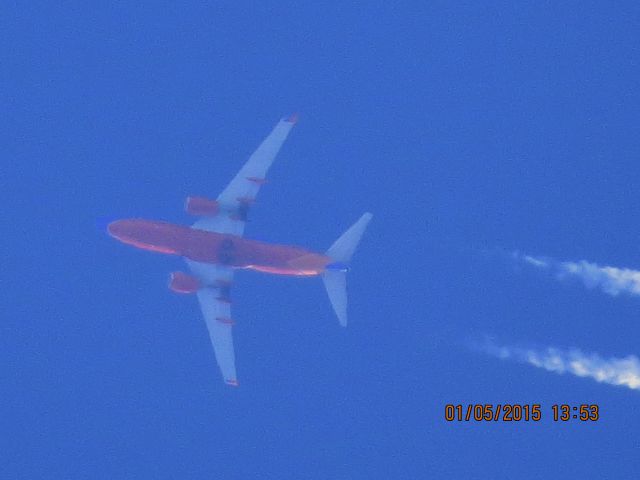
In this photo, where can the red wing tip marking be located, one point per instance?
(256, 180)
(293, 118)
(225, 320)
(232, 381)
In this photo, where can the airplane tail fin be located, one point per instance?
(335, 275)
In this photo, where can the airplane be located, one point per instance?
(214, 248)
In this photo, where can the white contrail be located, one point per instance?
(611, 280)
(614, 371)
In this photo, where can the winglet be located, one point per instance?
(293, 118)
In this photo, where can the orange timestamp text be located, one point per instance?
(516, 412)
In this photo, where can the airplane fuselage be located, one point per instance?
(217, 248)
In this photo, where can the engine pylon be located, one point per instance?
(201, 207)
(180, 282)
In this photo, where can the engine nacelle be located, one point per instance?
(201, 207)
(180, 282)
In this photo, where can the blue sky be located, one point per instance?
(470, 131)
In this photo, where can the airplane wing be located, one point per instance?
(216, 307)
(236, 199)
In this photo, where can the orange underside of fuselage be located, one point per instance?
(217, 248)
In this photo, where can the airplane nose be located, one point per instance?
(118, 229)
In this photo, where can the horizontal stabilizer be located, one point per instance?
(335, 274)
(343, 248)
(336, 284)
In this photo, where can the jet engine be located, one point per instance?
(180, 282)
(201, 207)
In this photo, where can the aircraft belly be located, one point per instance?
(279, 259)
(239, 253)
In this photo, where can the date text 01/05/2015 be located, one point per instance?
(514, 412)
